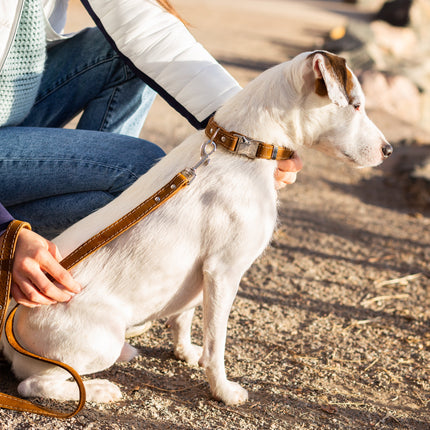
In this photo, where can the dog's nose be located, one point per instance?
(387, 150)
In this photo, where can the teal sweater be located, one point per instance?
(22, 71)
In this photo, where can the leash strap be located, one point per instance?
(7, 253)
(181, 180)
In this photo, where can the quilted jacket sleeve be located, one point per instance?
(165, 55)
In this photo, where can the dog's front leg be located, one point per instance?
(218, 295)
(180, 325)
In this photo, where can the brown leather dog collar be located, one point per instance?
(243, 145)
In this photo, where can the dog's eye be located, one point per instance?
(357, 106)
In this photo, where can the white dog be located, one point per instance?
(196, 247)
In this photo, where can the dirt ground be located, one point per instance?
(330, 329)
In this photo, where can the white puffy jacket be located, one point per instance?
(153, 42)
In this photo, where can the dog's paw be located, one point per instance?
(49, 387)
(231, 393)
(102, 391)
(190, 354)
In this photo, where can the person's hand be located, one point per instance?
(35, 257)
(286, 172)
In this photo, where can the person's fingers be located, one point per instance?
(289, 178)
(20, 297)
(30, 274)
(58, 272)
(45, 286)
(286, 172)
(27, 294)
(38, 278)
(293, 164)
(53, 250)
(286, 178)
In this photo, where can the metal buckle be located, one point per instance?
(206, 150)
(246, 147)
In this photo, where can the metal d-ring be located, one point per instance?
(206, 150)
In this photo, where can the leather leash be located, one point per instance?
(7, 253)
(233, 142)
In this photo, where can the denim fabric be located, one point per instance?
(52, 177)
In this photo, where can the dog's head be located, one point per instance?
(334, 111)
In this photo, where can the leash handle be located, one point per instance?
(7, 254)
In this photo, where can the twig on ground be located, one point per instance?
(382, 298)
(424, 402)
(361, 322)
(270, 353)
(370, 365)
(178, 390)
(402, 280)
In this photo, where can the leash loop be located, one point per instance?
(7, 254)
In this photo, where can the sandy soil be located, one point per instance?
(330, 329)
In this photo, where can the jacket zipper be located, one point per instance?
(12, 33)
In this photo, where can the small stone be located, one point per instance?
(396, 41)
(396, 95)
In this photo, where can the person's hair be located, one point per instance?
(167, 5)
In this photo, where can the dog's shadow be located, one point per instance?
(8, 382)
(156, 369)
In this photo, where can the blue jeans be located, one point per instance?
(52, 177)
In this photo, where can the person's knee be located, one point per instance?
(135, 161)
(147, 158)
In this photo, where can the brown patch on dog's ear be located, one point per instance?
(349, 85)
(334, 70)
(320, 87)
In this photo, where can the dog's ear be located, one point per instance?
(332, 77)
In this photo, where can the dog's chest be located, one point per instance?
(237, 206)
